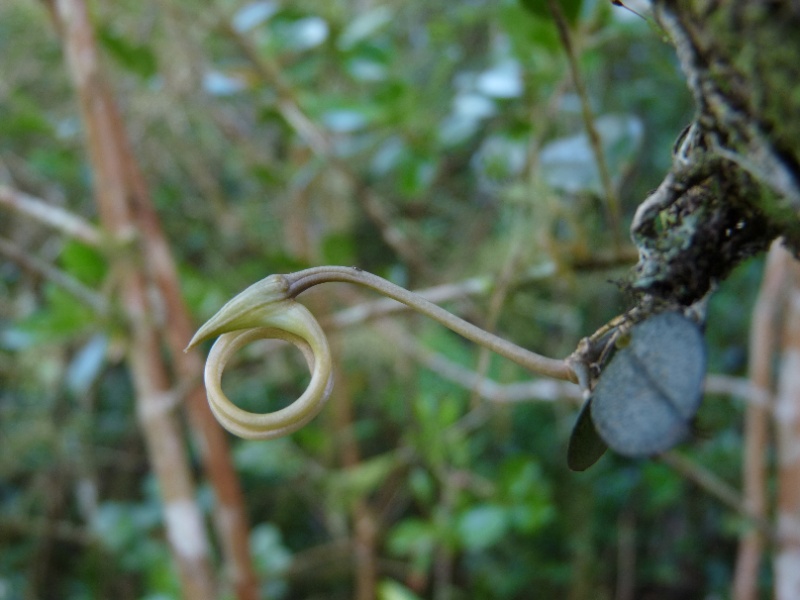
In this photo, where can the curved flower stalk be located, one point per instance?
(268, 309)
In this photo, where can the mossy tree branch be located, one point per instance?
(735, 181)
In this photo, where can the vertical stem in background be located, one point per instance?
(365, 564)
(113, 188)
(626, 555)
(496, 301)
(763, 344)
(443, 557)
(612, 202)
(583, 554)
(363, 520)
(230, 517)
(787, 428)
(41, 567)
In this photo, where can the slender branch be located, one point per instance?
(612, 202)
(763, 345)
(727, 385)
(496, 301)
(786, 425)
(109, 156)
(540, 390)
(229, 516)
(56, 217)
(34, 528)
(716, 487)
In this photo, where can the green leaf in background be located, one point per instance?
(415, 539)
(61, 317)
(521, 479)
(365, 26)
(391, 590)
(292, 31)
(345, 120)
(362, 479)
(252, 15)
(570, 8)
(121, 529)
(22, 117)
(529, 33)
(274, 459)
(526, 493)
(416, 174)
(87, 365)
(569, 163)
(422, 485)
(585, 444)
(56, 163)
(339, 249)
(83, 263)
(483, 526)
(270, 553)
(136, 58)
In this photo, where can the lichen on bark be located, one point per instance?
(735, 181)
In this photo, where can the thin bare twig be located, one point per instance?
(612, 202)
(716, 487)
(727, 385)
(763, 344)
(110, 159)
(473, 286)
(542, 390)
(23, 258)
(496, 301)
(56, 217)
(786, 423)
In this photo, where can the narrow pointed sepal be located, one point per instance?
(257, 306)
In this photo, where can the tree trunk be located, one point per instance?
(144, 263)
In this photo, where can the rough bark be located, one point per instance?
(734, 185)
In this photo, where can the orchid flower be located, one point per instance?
(268, 309)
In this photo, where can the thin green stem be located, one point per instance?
(550, 367)
(612, 202)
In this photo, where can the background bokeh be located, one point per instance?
(280, 135)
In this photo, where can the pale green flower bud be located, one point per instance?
(265, 310)
(256, 306)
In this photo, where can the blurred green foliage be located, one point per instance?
(461, 119)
